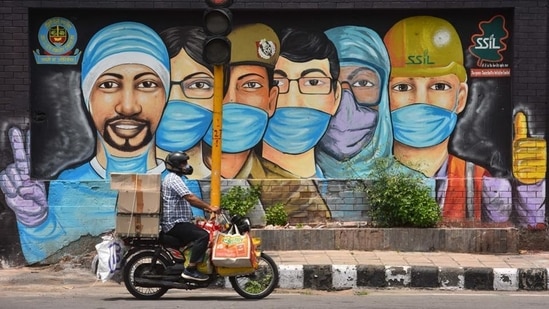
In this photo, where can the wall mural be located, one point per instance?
(309, 108)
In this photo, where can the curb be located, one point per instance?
(341, 277)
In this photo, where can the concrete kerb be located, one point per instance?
(341, 277)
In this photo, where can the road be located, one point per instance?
(111, 295)
(68, 288)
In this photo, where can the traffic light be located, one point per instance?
(218, 23)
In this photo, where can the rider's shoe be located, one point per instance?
(193, 274)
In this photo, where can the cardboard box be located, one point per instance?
(135, 182)
(137, 225)
(138, 202)
(137, 193)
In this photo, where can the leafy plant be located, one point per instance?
(276, 214)
(399, 199)
(257, 286)
(239, 200)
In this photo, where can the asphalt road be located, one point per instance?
(112, 295)
(66, 287)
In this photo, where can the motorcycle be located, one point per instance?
(153, 265)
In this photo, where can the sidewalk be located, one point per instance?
(345, 269)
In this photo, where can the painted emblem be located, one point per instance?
(266, 49)
(488, 47)
(57, 37)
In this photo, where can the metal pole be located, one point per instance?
(215, 190)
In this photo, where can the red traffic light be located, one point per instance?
(219, 3)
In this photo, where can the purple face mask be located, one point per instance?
(350, 129)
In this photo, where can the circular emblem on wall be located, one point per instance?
(57, 36)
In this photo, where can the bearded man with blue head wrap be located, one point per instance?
(125, 84)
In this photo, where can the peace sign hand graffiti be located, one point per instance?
(26, 197)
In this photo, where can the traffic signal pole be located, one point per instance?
(217, 52)
(215, 190)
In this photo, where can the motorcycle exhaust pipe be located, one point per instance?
(148, 283)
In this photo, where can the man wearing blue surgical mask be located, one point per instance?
(309, 94)
(425, 99)
(188, 114)
(426, 95)
(125, 80)
(249, 100)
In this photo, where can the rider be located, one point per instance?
(177, 218)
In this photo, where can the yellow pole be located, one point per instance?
(215, 190)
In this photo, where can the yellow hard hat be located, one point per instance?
(424, 46)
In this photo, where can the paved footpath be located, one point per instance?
(342, 269)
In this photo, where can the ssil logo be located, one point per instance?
(489, 45)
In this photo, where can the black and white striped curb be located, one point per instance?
(340, 277)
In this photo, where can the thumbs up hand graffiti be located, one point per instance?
(529, 153)
(26, 197)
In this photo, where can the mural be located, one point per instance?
(306, 110)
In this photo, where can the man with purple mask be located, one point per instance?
(361, 129)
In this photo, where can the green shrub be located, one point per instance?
(399, 199)
(239, 201)
(276, 215)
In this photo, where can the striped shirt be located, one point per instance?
(175, 208)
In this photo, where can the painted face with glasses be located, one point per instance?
(189, 111)
(307, 98)
(363, 82)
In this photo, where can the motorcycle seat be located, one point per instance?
(170, 241)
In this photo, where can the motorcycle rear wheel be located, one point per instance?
(135, 267)
(261, 283)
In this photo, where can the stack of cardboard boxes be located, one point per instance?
(138, 204)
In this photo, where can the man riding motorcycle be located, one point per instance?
(177, 218)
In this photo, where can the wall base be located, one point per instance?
(465, 240)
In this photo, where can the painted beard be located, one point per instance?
(121, 128)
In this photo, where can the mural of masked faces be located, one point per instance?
(364, 83)
(126, 104)
(195, 81)
(188, 114)
(306, 84)
(249, 85)
(445, 91)
(307, 99)
(425, 109)
(247, 105)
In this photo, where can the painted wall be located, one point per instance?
(308, 108)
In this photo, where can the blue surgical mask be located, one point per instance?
(422, 125)
(137, 164)
(294, 130)
(182, 126)
(242, 128)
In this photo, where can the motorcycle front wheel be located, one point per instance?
(135, 267)
(259, 284)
